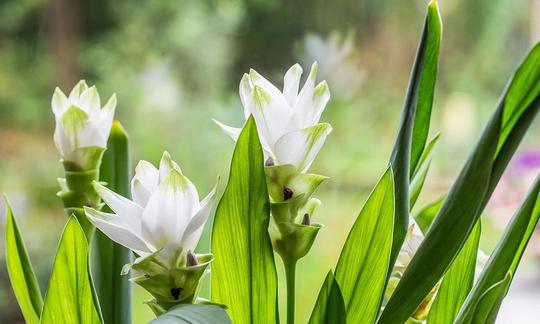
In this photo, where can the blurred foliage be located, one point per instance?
(176, 64)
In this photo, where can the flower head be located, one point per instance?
(165, 217)
(82, 125)
(288, 120)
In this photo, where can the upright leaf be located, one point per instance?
(457, 282)
(329, 307)
(420, 174)
(471, 191)
(70, 297)
(108, 257)
(507, 255)
(243, 273)
(414, 125)
(194, 314)
(24, 282)
(362, 267)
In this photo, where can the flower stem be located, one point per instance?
(290, 275)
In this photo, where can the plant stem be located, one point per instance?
(290, 275)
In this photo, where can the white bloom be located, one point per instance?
(288, 120)
(82, 126)
(165, 214)
(412, 242)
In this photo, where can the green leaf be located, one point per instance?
(24, 282)
(243, 273)
(488, 307)
(329, 307)
(362, 267)
(469, 194)
(457, 282)
(419, 175)
(108, 257)
(193, 314)
(508, 252)
(427, 214)
(415, 119)
(70, 297)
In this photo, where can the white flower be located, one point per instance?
(165, 215)
(82, 126)
(412, 242)
(288, 120)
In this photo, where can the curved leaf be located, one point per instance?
(420, 174)
(70, 297)
(193, 314)
(415, 119)
(243, 273)
(470, 193)
(24, 282)
(508, 252)
(329, 307)
(362, 267)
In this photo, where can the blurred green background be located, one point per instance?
(175, 65)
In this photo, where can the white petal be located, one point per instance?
(92, 135)
(304, 102)
(166, 165)
(76, 92)
(169, 210)
(272, 117)
(196, 225)
(59, 103)
(89, 101)
(321, 95)
(144, 182)
(233, 132)
(301, 146)
(62, 143)
(246, 88)
(277, 96)
(112, 226)
(122, 206)
(291, 82)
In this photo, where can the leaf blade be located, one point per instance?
(21, 274)
(70, 297)
(456, 283)
(507, 253)
(329, 307)
(363, 265)
(193, 314)
(244, 261)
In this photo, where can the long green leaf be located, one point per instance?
(329, 307)
(108, 257)
(24, 282)
(420, 174)
(457, 282)
(470, 193)
(488, 306)
(70, 297)
(362, 267)
(193, 314)
(508, 252)
(414, 125)
(243, 273)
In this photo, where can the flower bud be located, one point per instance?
(82, 126)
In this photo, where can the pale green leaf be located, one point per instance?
(243, 273)
(70, 297)
(457, 282)
(329, 307)
(24, 282)
(363, 265)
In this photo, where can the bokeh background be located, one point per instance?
(175, 65)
